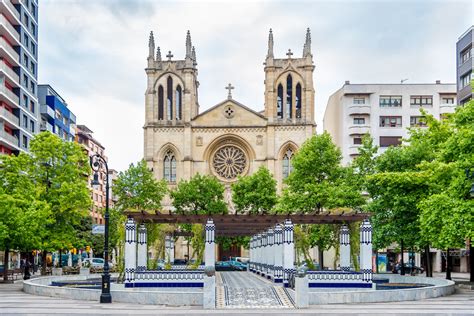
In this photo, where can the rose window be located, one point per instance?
(229, 162)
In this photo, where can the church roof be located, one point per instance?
(234, 102)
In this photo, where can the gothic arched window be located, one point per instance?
(298, 101)
(160, 103)
(289, 96)
(287, 167)
(169, 99)
(178, 102)
(280, 102)
(169, 167)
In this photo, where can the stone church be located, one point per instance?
(229, 139)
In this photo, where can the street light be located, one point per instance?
(97, 161)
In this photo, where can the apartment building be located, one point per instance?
(385, 111)
(19, 113)
(92, 147)
(464, 66)
(56, 117)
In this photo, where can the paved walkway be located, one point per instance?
(14, 302)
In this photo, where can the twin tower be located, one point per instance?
(172, 88)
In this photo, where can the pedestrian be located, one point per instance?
(27, 266)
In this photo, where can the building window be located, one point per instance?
(466, 55)
(289, 96)
(33, 29)
(390, 121)
(160, 103)
(32, 126)
(32, 87)
(26, 21)
(178, 102)
(25, 60)
(32, 68)
(25, 101)
(421, 100)
(298, 101)
(359, 120)
(391, 101)
(417, 121)
(287, 167)
(25, 142)
(357, 141)
(386, 141)
(447, 101)
(358, 101)
(25, 121)
(465, 80)
(169, 167)
(169, 99)
(280, 102)
(33, 49)
(32, 107)
(25, 40)
(25, 81)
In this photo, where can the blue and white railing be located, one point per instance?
(338, 279)
(169, 278)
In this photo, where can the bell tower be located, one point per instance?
(171, 97)
(289, 89)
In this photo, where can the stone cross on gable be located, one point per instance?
(169, 56)
(229, 87)
(289, 54)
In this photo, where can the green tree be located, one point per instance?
(200, 195)
(255, 194)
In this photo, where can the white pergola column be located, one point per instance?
(169, 249)
(288, 251)
(278, 254)
(270, 255)
(142, 248)
(209, 250)
(264, 253)
(258, 252)
(344, 249)
(252, 253)
(366, 250)
(130, 251)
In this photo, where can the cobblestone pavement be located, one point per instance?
(14, 302)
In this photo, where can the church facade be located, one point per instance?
(229, 139)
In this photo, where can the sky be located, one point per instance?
(94, 53)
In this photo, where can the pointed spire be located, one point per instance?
(270, 45)
(307, 44)
(193, 56)
(151, 45)
(188, 45)
(158, 54)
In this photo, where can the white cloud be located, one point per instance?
(94, 53)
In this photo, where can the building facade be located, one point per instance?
(229, 139)
(56, 117)
(19, 111)
(464, 66)
(92, 147)
(385, 111)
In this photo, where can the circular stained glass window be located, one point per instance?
(229, 162)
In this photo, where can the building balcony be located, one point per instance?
(8, 30)
(354, 150)
(45, 126)
(45, 109)
(9, 73)
(9, 117)
(359, 109)
(359, 129)
(6, 95)
(7, 51)
(9, 10)
(8, 139)
(447, 108)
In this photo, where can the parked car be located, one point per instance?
(96, 262)
(224, 266)
(239, 266)
(408, 267)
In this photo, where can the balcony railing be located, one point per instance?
(10, 5)
(6, 24)
(13, 97)
(45, 109)
(7, 47)
(359, 129)
(12, 140)
(45, 126)
(9, 72)
(447, 108)
(12, 118)
(359, 109)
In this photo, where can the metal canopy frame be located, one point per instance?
(246, 225)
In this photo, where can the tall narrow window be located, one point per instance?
(280, 102)
(160, 103)
(169, 167)
(287, 167)
(298, 101)
(169, 99)
(289, 96)
(178, 102)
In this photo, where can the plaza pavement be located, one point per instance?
(14, 302)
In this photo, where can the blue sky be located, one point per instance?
(94, 52)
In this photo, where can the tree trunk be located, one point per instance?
(448, 265)
(376, 261)
(402, 260)
(5, 266)
(471, 260)
(321, 258)
(429, 272)
(60, 258)
(43, 262)
(412, 261)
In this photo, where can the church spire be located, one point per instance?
(193, 54)
(158, 54)
(188, 45)
(307, 44)
(151, 46)
(270, 45)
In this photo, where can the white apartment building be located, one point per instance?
(385, 111)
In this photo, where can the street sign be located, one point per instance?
(98, 229)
